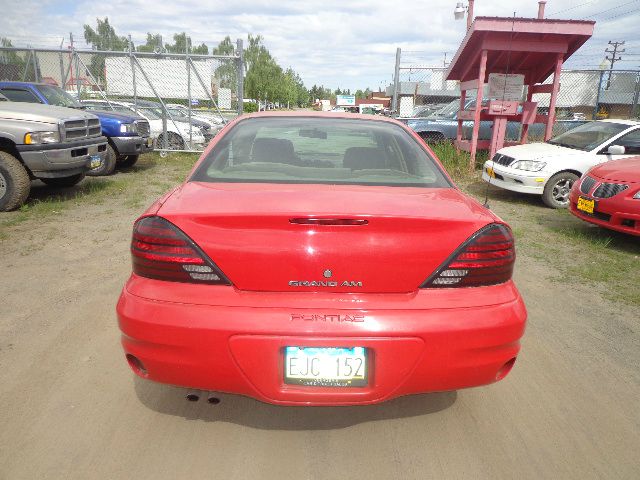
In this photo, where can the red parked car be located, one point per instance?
(320, 259)
(609, 195)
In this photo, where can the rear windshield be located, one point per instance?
(320, 150)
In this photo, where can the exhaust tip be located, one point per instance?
(213, 400)
(505, 369)
(193, 397)
(136, 365)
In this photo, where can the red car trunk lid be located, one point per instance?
(282, 237)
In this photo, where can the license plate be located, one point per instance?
(326, 366)
(586, 204)
(149, 142)
(95, 161)
(490, 172)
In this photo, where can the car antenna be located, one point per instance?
(504, 93)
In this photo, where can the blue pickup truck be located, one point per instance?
(127, 135)
(443, 125)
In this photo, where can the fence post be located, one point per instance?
(63, 79)
(396, 82)
(36, 71)
(188, 65)
(634, 108)
(595, 111)
(240, 74)
(133, 76)
(74, 57)
(26, 67)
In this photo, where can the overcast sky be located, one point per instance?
(335, 43)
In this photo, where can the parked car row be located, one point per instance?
(442, 125)
(127, 133)
(47, 134)
(56, 145)
(594, 169)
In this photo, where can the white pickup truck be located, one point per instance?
(54, 144)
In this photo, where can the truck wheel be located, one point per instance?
(108, 164)
(128, 161)
(63, 182)
(174, 142)
(432, 137)
(15, 183)
(556, 191)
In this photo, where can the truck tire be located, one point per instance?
(108, 164)
(174, 142)
(556, 191)
(15, 183)
(128, 161)
(63, 182)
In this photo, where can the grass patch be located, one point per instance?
(152, 172)
(457, 162)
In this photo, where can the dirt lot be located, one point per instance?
(70, 407)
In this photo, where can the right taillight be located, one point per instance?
(487, 258)
(160, 250)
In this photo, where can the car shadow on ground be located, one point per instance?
(246, 411)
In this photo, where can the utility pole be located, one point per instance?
(613, 59)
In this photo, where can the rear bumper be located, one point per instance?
(132, 145)
(233, 341)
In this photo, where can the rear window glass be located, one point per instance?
(320, 150)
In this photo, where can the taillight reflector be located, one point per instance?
(487, 258)
(160, 250)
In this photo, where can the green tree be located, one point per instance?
(104, 37)
(226, 73)
(13, 66)
(153, 41)
(180, 46)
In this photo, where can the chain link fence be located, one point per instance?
(583, 95)
(186, 98)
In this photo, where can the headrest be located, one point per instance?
(275, 150)
(359, 158)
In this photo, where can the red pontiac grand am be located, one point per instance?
(320, 259)
(609, 196)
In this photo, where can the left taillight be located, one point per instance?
(487, 258)
(162, 251)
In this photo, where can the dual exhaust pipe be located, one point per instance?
(194, 396)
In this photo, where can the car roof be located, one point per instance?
(316, 114)
(631, 123)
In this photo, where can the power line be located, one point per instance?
(571, 8)
(613, 8)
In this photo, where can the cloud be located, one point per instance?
(332, 43)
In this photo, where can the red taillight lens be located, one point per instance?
(487, 258)
(162, 251)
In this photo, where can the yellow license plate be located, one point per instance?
(149, 142)
(586, 204)
(490, 172)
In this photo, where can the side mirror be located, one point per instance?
(616, 150)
